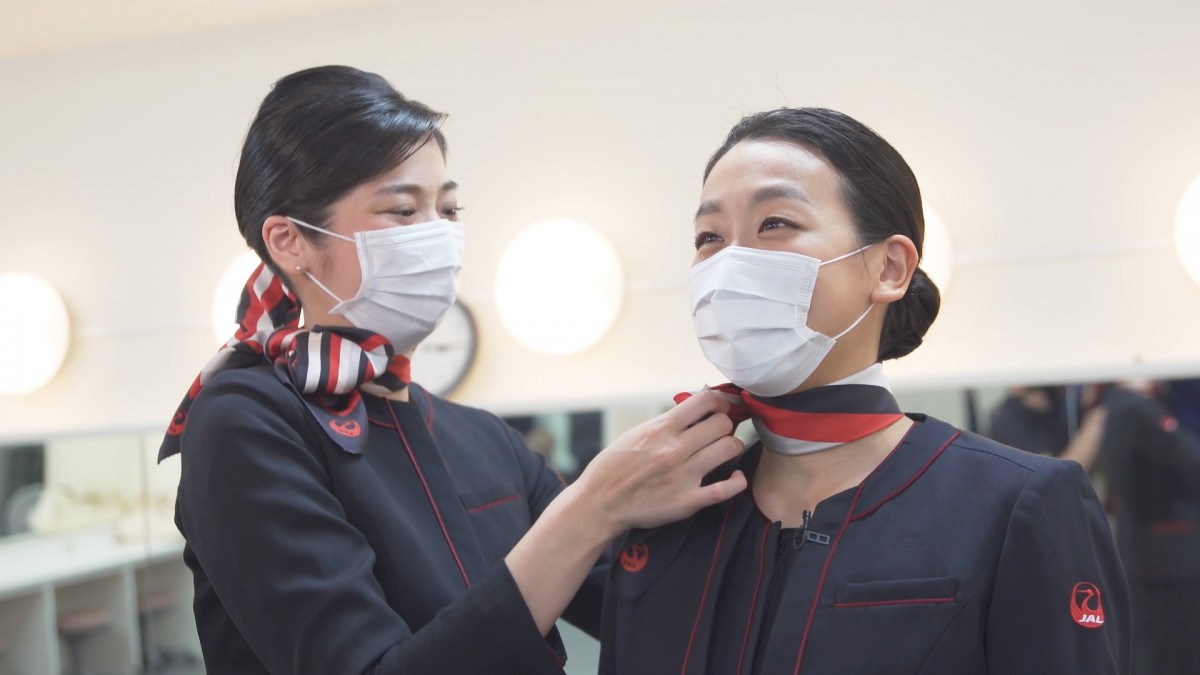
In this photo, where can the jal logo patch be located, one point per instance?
(634, 558)
(1086, 608)
(1169, 424)
(177, 423)
(348, 428)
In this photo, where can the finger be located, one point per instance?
(715, 493)
(696, 408)
(714, 454)
(704, 432)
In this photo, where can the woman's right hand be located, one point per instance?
(652, 474)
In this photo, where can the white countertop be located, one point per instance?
(31, 562)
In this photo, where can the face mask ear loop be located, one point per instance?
(856, 322)
(872, 306)
(301, 223)
(322, 286)
(308, 274)
(846, 255)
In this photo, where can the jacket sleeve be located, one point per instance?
(1060, 602)
(543, 484)
(296, 577)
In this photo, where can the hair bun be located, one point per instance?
(908, 319)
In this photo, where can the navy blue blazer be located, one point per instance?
(957, 555)
(309, 559)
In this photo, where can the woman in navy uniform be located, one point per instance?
(1152, 462)
(869, 541)
(340, 519)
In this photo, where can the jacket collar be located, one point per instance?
(917, 451)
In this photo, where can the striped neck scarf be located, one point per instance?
(817, 419)
(325, 365)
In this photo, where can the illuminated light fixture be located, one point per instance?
(228, 293)
(559, 286)
(32, 351)
(937, 256)
(1187, 230)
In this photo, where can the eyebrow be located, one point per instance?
(413, 188)
(707, 208)
(778, 191)
(763, 194)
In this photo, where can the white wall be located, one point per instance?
(1066, 129)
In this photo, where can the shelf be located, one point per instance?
(116, 608)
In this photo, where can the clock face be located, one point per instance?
(443, 359)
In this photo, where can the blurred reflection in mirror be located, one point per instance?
(1150, 452)
(21, 477)
(101, 481)
(1055, 420)
(568, 440)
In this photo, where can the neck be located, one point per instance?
(383, 392)
(401, 395)
(785, 486)
(833, 369)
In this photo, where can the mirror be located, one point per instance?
(77, 482)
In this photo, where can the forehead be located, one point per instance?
(423, 175)
(751, 164)
(426, 163)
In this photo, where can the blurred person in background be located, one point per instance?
(1038, 419)
(1152, 464)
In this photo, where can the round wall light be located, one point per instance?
(228, 293)
(1187, 230)
(937, 256)
(559, 286)
(32, 355)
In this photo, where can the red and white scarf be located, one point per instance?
(325, 365)
(819, 418)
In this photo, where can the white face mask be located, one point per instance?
(750, 311)
(409, 279)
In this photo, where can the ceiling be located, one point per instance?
(32, 27)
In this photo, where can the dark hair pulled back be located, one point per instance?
(318, 134)
(877, 186)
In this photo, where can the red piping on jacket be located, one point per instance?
(812, 612)
(429, 495)
(911, 480)
(762, 563)
(909, 601)
(707, 582)
(498, 502)
(1163, 527)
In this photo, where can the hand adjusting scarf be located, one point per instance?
(819, 418)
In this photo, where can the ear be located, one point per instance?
(900, 261)
(288, 249)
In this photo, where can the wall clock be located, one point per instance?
(443, 360)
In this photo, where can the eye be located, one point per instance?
(774, 224)
(404, 212)
(706, 238)
(452, 211)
